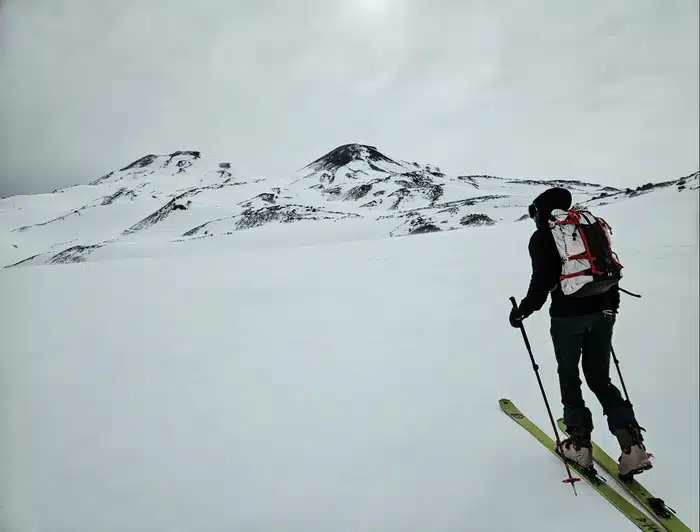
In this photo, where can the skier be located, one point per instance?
(581, 329)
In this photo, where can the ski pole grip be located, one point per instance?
(514, 302)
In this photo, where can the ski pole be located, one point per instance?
(624, 388)
(619, 373)
(535, 367)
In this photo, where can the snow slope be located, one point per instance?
(339, 386)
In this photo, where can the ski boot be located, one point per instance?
(577, 448)
(634, 458)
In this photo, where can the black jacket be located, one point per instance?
(546, 268)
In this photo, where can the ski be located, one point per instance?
(657, 507)
(634, 514)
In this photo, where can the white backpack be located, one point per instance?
(589, 265)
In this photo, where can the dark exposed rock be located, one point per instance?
(564, 183)
(400, 195)
(19, 263)
(191, 153)
(286, 214)
(357, 192)
(415, 224)
(251, 218)
(122, 192)
(140, 163)
(356, 174)
(451, 206)
(602, 195)
(162, 213)
(469, 179)
(327, 177)
(476, 219)
(183, 164)
(149, 159)
(425, 228)
(375, 167)
(415, 180)
(73, 254)
(103, 178)
(267, 197)
(63, 217)
(333, 191)
(197, 229)
(434, 193)
(647, 187)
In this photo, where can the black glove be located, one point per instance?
(516, 318)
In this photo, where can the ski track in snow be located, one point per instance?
(320, 377)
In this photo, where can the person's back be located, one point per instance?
(581, 331)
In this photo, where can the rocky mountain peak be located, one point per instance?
(347, 153)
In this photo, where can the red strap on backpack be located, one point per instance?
(574, 217)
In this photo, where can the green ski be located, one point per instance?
(634, 514)
(665, 515)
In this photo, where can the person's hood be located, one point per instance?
(550, 199)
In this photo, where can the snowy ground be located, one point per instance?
(339, 387)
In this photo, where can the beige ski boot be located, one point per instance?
(634, 458)
(578, 449)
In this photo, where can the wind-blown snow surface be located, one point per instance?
(344, 387)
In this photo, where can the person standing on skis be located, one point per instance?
(581, 331)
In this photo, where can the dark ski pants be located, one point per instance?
(588, 339)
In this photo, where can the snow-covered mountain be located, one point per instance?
(160, 201)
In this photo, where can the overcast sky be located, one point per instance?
(594, 90)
